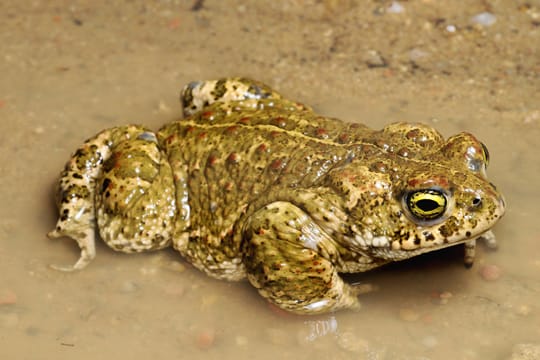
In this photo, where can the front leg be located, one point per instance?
(291, 261)
(470, 246)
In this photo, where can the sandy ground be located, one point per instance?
(70, 69)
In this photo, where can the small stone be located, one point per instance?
(395, 8)
(407, 314)
(451, 29)
(484, 19)
(205, 339)
(8, 297)
(444, 297)
(374, 59)
(490, 272)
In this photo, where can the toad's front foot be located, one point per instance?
(290, 260)
(470, 246)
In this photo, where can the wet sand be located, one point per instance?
(70, 69)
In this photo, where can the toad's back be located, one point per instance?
(230, 161)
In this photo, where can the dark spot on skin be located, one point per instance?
(444, 231)
(220, 89)
(429, 236)
(468, 234)
(106, 183)
(416, 240)
(77, 176)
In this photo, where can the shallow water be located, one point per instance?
(72, 69)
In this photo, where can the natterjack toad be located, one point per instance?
(253, 185)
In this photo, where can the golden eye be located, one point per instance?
(486, 153)
(426, 204)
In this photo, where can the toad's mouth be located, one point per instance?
(399, 254)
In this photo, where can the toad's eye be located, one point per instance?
(426, 204)
(486, 154)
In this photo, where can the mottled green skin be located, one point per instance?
(251, 184)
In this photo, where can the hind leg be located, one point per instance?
(120, 183)
(199, 94)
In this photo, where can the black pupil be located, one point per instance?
(427, 205)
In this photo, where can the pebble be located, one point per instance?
(407, 314)
(395, 8)
(490, 272)
(205, 339)
(450, 29)
(484, 19)
(374, 59)
(441, 298)
(8, 297)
